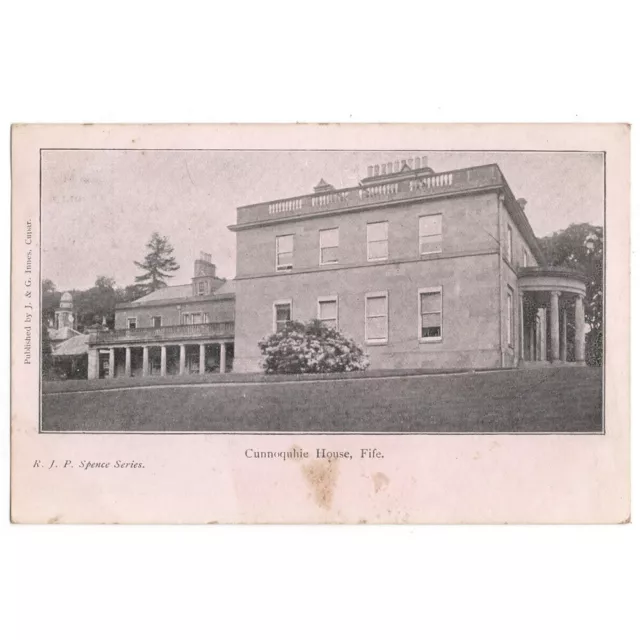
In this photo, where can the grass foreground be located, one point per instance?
(553, 399)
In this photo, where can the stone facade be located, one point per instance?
(447, 290)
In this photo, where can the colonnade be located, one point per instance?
(554, 312)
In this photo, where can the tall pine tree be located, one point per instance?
(157, 264)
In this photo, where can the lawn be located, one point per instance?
(535, 400)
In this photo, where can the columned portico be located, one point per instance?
(552, 307)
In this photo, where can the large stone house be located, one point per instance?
(423, 269)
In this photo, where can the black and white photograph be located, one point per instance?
(342, 291)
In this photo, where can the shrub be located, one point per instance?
(311, 348)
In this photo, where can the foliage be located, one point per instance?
(130, 292)
(311, 347)
(580, 247)
(46, 356)
(97, 304)
(50, 300)
(157, 264)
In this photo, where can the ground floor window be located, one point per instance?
(430, 301)
(376, 317)
(282, 314)
(328, 311)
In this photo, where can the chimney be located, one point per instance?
(522, 202)
(203, 266)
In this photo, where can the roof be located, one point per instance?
(228, 287)
(167, 293)
(56, 335)
(73, 346)
(179, 294)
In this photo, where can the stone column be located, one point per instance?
(92, 364)
(145, 361)
(163, 360)
(112, 362)
(183, 357)
(532, 339)
(521, 336)
(563, 336)
(201, 359)
(555, 326)
(127, 361)
(579, 339)
(223, 357)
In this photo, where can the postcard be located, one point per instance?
(320, 323)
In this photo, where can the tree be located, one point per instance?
(97, 304)
(46, 357)
(311, 347)
(50, 300)
(157, 264)
(580, 247)
(130, 292)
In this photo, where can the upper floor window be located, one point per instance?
(377, 241)
(132, 323)
(376, 317)
(509, 244)
(186, 318)
(156, 321)
(284, 253)
(430, 230)
(202, 288)
(525, 257)
(205, 317)
(430, 314)
(329, 239)
(282, 314)
(328, 311)
(196, 318)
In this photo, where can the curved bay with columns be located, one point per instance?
(552, 325)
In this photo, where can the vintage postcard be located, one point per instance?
(320, 324)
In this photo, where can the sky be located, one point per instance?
(100, 207)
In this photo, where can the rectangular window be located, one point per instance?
(196, 318)
(205, 318)
(525, 258)
(430, 230)
(430, 314)
(132, 323)
(282, 314)
(509, 244)
(328, 311)
(156, 321)
(202, 288)
(510, 318)
(376, 317)
(284, 253)
(329, 239)
(377, 241)
(186, 318)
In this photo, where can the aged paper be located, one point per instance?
(320, 324)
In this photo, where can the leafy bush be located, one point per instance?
(311, 348)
